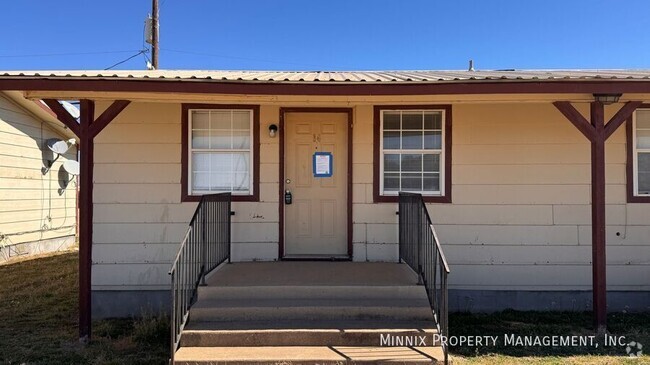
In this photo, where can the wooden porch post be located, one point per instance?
(597, 133)
(86, 156)
(86, 130)
(598, 224)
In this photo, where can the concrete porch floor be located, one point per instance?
(312, 273)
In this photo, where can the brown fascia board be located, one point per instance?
(310, 88)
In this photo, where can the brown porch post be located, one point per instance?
(598, 245)
(86, 152)
(597, 132)
(86, 130)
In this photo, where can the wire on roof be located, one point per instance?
(143, 51)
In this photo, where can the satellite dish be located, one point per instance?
(71, 167)
(71, 109)
(57, 146)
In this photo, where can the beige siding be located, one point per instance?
(521, 214)
(520, 217)
(139, 219)
(32, 206)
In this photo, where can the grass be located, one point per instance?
(634, 326)
(38, 311)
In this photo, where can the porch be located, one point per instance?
(310, 312)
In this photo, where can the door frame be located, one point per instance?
(283, 112)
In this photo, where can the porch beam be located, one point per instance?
(621, 116)
(107, 116)
(63, 116)
(576, 118)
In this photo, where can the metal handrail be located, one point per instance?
(205, 246)
(420, 248)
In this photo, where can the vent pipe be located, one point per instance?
(471, 65)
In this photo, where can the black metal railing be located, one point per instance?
(420, 248)
(205, 246)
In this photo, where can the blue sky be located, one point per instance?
(330, 35)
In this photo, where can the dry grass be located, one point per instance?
(634, 326)
(39, 320)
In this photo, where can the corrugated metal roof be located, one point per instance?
(342, 76)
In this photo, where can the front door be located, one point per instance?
(315, 222)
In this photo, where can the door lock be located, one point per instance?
(288, 197)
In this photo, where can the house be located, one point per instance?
(536, 184)
(38, 202)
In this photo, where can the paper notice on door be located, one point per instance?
(322, 162)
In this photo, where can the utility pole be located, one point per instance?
(154, 34)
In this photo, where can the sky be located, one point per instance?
(328, 35)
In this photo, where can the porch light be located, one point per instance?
(273, 129)
(607, 98)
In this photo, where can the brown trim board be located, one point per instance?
(629, 164)
(376, 174)
(284, 111)
(25, 83)
(185, 196)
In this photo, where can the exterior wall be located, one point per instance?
(521, 218)
(519, 221)
(36, 216)
(375, 232)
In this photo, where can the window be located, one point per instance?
(641, 141)
(412, 152)
(222, 151)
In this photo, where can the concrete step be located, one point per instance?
(309, 337)
(211, 313)
(310, 309)
(308, 355)
(311, 324)
(255, 293)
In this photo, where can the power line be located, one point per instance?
(66, 54)
(132, 57)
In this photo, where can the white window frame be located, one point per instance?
(636, 151)
(441, 190)
(250, 150)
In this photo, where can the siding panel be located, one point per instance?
(32, 207)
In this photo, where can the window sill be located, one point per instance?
(638, 199)
(426, 198)
(234, 198)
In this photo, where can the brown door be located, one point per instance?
(315, 222)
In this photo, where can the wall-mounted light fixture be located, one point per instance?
(607, 98)
(273, 130)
